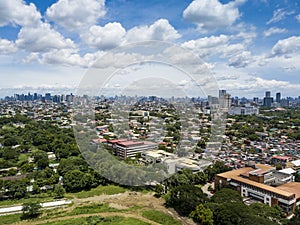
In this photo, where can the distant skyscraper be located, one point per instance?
(222, 93)
(278, 97)
(47, 96)
(268, 100)
(224, 99)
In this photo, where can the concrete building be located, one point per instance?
(156, 156)
(173, 163)
(268, 100)
(278, 97)
(177, 164)
(295, 164)
(128, 149)
(253, 183)
(243, 110)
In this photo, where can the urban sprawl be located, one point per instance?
(260, 143)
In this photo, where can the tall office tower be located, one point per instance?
(212, 100)
(255, 99)
(222, 93)
(47, 96)
(226, 101)
(278, 97)
(268, 100)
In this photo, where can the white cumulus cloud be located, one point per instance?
(7, 46)
(17, 12)
(286, 46)
(160, 30)
(212, 14)
(106, 37)
(42, 38)
(76, 14)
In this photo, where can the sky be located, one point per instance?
(250, 46)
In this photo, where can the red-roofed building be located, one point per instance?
(128, 149)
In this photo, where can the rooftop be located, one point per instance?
(293, 187)
(235, 175)
(283, 192)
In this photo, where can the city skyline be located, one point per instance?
(249, 46)
(31, 96)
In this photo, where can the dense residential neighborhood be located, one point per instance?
(258, 158)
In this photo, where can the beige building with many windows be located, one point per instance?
(255, 183)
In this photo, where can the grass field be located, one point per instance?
(108, 190)
(38, 198)
(9, 219)
(160, 217)
(90, 208)
(113, 220)
(93, 208)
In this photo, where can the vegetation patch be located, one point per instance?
(9, 219)
(160, 217)
(93, 208)
(108, 190)
(113, 220)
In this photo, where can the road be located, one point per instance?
(205, 189)
(46, 205)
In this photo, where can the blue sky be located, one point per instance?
(250, 45)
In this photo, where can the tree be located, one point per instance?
(202, 215)
(278, 167)
(31, 210)
(59, 191)
(36, 189)
(296, 219)
(27, 167)
(159, 190)
(297, 177)
(17, 189)
(237, 213)
(10, 141)
(76, 180)
(226, 195)
(184, 199)
(263, 210)
(72, 163)
(218, 167)
(41, 159)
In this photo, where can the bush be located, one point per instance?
(31, 210)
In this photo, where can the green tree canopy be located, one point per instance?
(202, 215)
(31, 210)
(75, 181)
(41, 159)
(226, 195)
(184, 199)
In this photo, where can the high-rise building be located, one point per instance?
(47, 96)
(212, 100)
(224, 99)
(222, 93)
(268, 100)
(255, 99)
(278, 97)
